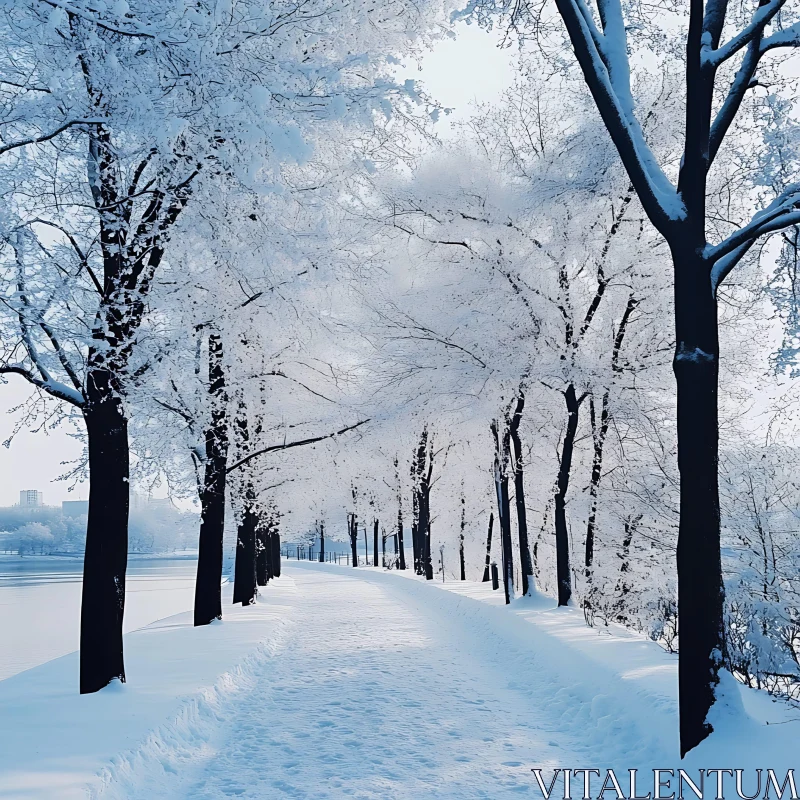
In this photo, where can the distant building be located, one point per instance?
(31, 498)
(74, 508)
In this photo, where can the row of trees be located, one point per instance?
(254, 275)
(48, 531)
(124, 129)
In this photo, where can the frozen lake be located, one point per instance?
(40, 603)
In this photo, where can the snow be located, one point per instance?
(372, 684)
(55, 742)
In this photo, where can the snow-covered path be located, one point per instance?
(370, 701)
(367, 684)
(377, 696)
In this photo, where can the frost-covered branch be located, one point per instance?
(655, 191)
(763, 16)
(782, 212)
(55, 388)
(73, 11)
(297, 443)
(46, 137)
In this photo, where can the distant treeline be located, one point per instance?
(47, 531)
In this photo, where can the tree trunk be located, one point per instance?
(415, 531)
(208, 587)
(354, 538)
(504, 512)
(519, 498)
(321, 542)
(262, 552)
(106, 556)
(276, 554)
(398, 542)
(563, 571)
(425, 472)
(622, 588)
(700, 585)
(488, 548)
(598, 439)
(424, 535)
(244, 576)
(375, 542)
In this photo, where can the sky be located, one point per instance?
(457, 72)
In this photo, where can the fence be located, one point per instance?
(303, 552)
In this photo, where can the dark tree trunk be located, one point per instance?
(598, 438)
(501, 454)
(563, 570)
(208, 587)
(424, 474)
(106, 557)
(424, 535)
(366, 548)
(700, 586)
(504, 512)
(623, 588)
(244, 576)
(353, 521)
(461, 537)
(244, 579)
(488, 548)
(375, 542)
(526, 564)
(421, 517)
(262, 552)
(276, 554)
(415, 529)
(427, 561)
(270, 554)
(415, 545)
(321, 542)
(399, 545)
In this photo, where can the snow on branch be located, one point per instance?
(72, 10)
(298, 443)
(604, 61)
(45, 137)
(762, 17)
(790, 37)
(782, 212)
(53, 387)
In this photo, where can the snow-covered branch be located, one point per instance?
(55, 388)
(297, 443)
(763, 16)
(783, 211)
(656, 193)
(46, 137)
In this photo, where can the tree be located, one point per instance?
(501, 458)
(679, 209)
(222, 102)
(208, 593)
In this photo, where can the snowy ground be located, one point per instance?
(345, 682)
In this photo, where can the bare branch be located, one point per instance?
(298, 443)
(45, 137)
